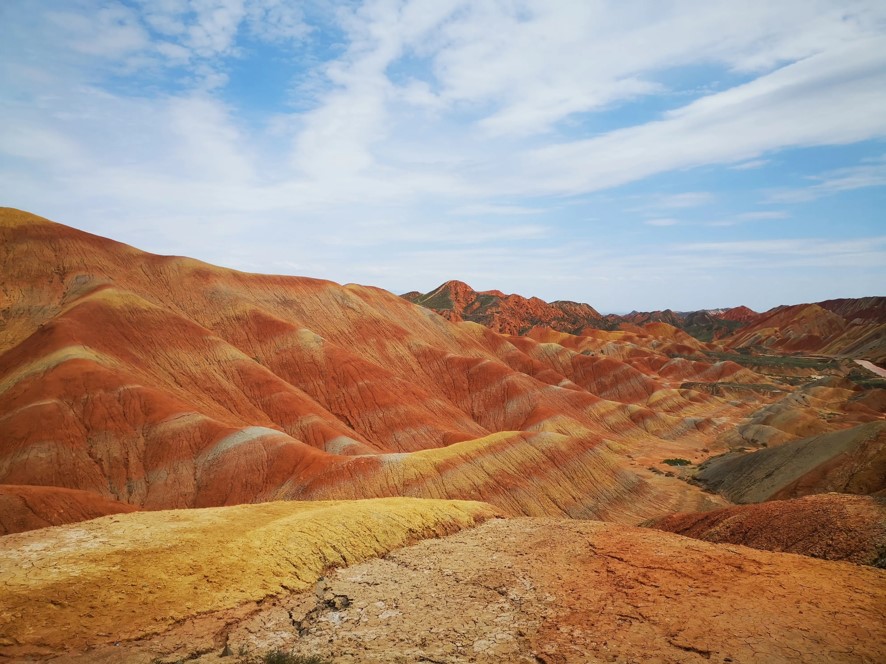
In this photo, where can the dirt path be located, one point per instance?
(555, 591)
(870, 366)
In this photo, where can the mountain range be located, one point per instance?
(166, 414)
(850, 327)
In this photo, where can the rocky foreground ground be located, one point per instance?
(555, 591)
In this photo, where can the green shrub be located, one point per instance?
(677, 462)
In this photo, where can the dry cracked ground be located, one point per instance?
(554, 591)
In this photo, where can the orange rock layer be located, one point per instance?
(163, 382)
(830, 526)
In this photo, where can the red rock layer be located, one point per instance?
(30, 507)
(831, 526)
(741, 314)
(509, 314)
(813, 328)
(163, 382)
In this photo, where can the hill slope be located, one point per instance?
(510, 314)
(163, 382)
(831, 526)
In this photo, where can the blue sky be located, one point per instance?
(633, 155)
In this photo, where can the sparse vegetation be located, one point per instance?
(772, 361)
(283, 657)
(677, 462)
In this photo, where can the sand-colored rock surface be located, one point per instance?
(124, 576)
(818, 407)
(831, 526)
(555, 591)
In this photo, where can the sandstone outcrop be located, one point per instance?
(847, 461)
(831, 526)
(30, 507)
(508, 314)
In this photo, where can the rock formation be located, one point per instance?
(510, 590)
(162, 382)
(832, 526)
(510, 314)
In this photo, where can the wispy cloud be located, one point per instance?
(763, 215)
(871, 174)
(439, 125)
(750, 165)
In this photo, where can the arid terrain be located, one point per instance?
(187, 455)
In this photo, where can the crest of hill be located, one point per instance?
(843, 327)
(855, 328)
(507, 314)
(741, 314)
(867, 309)
(517, 315)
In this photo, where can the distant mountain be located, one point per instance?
(739, 314)
(850, 327)
(855, 328)
(508, 314)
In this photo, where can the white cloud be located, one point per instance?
(801, 251)
(762, 215)
(437, 119)
(750, 165)
(870, 174)
(482, 209)
(833, 98)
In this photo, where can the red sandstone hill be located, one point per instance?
(867, 309)
(510, 314)
(741, 314)
(163, 382)
(855, 328)
(843, 327)
(156, 382)
(832, 526)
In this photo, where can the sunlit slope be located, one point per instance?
(164, 382)
(524, 473)
(856, 328)
(139, 573)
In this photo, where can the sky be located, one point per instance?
(633, 155)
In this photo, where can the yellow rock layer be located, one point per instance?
(134, 574)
